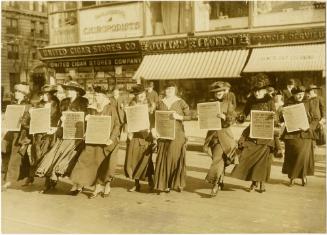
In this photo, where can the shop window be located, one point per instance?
(88, 3)
(228, 15)
(33, 27)
(170, 17)
(288, 12)
(70, 5)
(13, 80)
(35, 6)
(12, 25)
(42, 29)
(13, 52)
(34, 53)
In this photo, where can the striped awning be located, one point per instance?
(214, 64)
(287, 58)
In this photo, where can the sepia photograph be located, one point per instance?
(163, 117)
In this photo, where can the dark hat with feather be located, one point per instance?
(137, 89)
(259, 81)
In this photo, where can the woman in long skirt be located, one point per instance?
(43, 142)
(220, 142)
(97, 163)
(17, 142)
(61, 158)
(170, 171)
(138, 162)
(299, 146)
(255, 159)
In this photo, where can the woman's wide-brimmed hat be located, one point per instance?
(298, 89)
(260, 81)
(99, 89)
(72, 85)
(49, 88)
(23, 88)
(312, 87)
(137, 89)
(217, 86)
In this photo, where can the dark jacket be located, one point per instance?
(312, 111)
(287, 94)
(225, 135)
(118, 105)
(264, 104)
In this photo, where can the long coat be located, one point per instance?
(255, 158)
(91, 162)
(16, 146)
(170, 171)
(299, 147)
(138, 160)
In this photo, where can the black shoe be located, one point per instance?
(252, 187)
(221, 185)
(75, 192)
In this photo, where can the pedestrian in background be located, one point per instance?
(299, 147)
(97, 163)
(255, 159)
(170, 171)
(16, 142)
(138, 161)
(151, 94)
(230, 96)
(221, 142)
(118, 102)
(287, 93)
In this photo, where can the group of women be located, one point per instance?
(51, 156)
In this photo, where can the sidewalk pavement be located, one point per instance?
(281, 209)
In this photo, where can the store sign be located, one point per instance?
(233, 40)
(117, 21)
(289, 36)
(91, 50)
(93, 62)
(196, 43)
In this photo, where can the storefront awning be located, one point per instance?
(287, 58)
(214, 64)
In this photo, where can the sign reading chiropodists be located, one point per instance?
(116, 21)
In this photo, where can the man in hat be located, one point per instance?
(229, 94)
(287, 93)
(117, 101)
(317, 102)
(151, 94)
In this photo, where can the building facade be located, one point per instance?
(192, 43)
(24, 29)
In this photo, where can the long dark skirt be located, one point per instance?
(217, 168)
(170, 169)
(94, 165)
(42, 143)
(138, 160)
(254, 163)
(60, 160)
(299, 158)
(18, 165)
